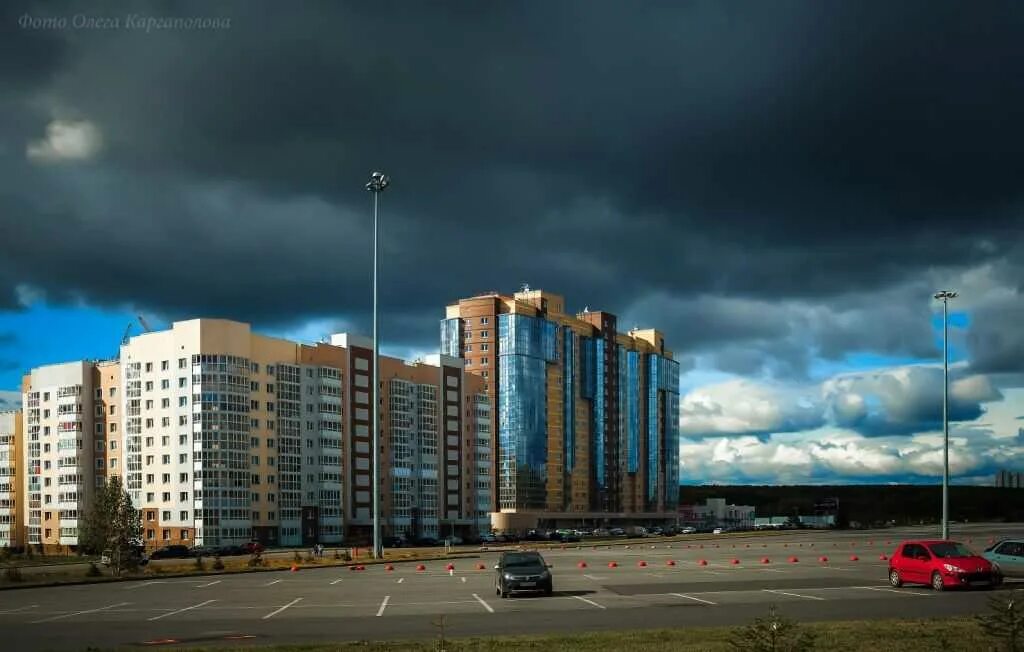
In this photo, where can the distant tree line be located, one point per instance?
(869, 505)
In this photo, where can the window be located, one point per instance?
(270, 443)
(113, 409)
(150, 479)
(165, 422)
(270, 370)
(166, 478)
(183, 420)
(485, 347)
(149, 366)
(468, 348)
(150, 516)
(166, 498)
(184, 535)
(183, 458)
(150, 534)
(149, 385)
(112, 393)
(254, 405)
(183, 497)
(165, 365)
(182, 401)
(270, 388)
(149, 460)
(113, 445)
(182, 382)
(485, 320)
(149, 423)
(183, 516)
(182, 363)
(255, 516)
(165, 402)
(165, 440)
(149, 405)
(484, 361)
(183, 477)
(255, 460)
(270, 406)
(166, 515)
(166, 459)
(165, 384)
(113, 462)
(254, 423)
(485, 334)
(113, 427)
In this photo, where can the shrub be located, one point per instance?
(256, 561)
(218, 564)
(5, 553)
(297, 558)
(1005, 621)
(200, 566)
(13, 574)
(337, 554)
(94, 570)
(309, 559)
(772, 634)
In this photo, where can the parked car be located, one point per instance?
(234, 551)
(522, 572)
(617, 532)
(427, 542)
(395, 542)
(1008, 556)
(602, 532)
(486, 539)
(718, 530)
(941, 565)
(253, 548)
(688, 530)
(171, 552)
(204, 551)
(135, 555)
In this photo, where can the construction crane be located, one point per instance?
(145, 325)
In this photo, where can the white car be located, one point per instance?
(718, 530)
(688, 530)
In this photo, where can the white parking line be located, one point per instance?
(383, 605)
(481, 601)
(14, 611)
(272, 583)
(582, 599)
(794, 595)
(900, 591)
(690, 597)
(401, 579)
(335, 581)
(171, 613)
(136, 586)
(596, 578)
(463, 579)
(277, 611)
(203, 586)
(79, 613)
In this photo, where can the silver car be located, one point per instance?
(1008, 555)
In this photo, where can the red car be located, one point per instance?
(941, 565)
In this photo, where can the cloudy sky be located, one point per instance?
(779, 187)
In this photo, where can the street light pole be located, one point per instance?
(945, 296)
(377, 183)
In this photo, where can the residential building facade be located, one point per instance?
(585, 417)
(12, 501)
(222, 435)
(1006, 479)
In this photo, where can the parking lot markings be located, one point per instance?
(335, 581)
(484, 603)
(203, 586)
(277, 611)
(690, 597)
(401, 579)
(795, 595)
(14, 611)
(463, 579)
(591, 602)
(383, 605)
(272, 583)
(900, 591)
(79, 613)
(136, 586)
(171, 613)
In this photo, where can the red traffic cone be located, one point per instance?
(793, 559)
(582, 564)
(702, 562)
(670, 562)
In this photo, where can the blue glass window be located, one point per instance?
(632, 409)
(569, 399)
(598, 428)
(450, 337)
(522, 412)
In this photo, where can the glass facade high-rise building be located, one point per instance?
(586, 417)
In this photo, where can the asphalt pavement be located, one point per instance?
(649, 584)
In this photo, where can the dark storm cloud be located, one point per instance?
(601, 150)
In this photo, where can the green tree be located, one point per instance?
(1005, 620)
(772, 634)
(112, 524)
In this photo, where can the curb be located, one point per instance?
(247, 571)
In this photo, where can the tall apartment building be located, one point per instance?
(59, 451)
(12, 500)
(586, 417)
(222, 435)
(1006, 479)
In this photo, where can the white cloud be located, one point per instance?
(66, 140)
